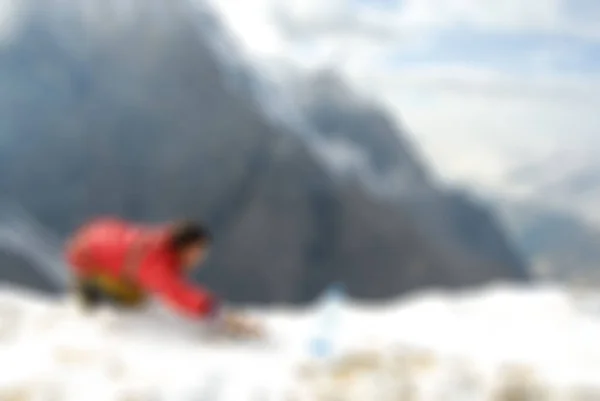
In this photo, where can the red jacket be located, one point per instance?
(103, 246)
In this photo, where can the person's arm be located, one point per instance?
(173, 289)
(194, 301)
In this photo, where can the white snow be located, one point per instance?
(496, 343)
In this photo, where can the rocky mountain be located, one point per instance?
(151, 115)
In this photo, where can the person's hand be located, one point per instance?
(238, 325)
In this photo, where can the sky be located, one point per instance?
(484, 87)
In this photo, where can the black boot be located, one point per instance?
(89, 294)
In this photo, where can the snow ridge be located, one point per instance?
(19, 231)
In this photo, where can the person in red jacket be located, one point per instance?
(122, 263)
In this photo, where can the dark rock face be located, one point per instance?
(142, 122)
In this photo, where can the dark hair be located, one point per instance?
(189, 233)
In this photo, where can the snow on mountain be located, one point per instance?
(22, 234)
(497, 343)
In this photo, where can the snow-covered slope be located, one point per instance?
(497, 343)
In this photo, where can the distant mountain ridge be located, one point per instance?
(560, 246)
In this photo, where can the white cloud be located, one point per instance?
(341, 155)
(477, 125)
(485, 14)
(10, 12)
(479, 138)
(402, 18)
(252, 23)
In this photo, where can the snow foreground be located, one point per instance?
(498, 343)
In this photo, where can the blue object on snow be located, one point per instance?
(323, 344)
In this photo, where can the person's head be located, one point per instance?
(190, 241)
